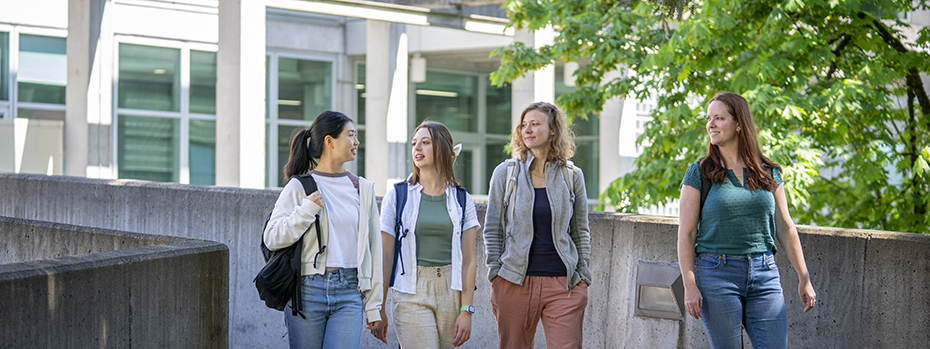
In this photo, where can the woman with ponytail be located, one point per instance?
(341, 281)
(434, 273)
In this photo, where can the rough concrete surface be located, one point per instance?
(118, 290)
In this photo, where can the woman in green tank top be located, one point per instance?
(434, 274)
(726, 243)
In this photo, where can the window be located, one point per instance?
(33, 73)
(299, 89)
(166, 113)
(477, 114)
(587, 139)
(360, 117)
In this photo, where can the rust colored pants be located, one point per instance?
(518, 310)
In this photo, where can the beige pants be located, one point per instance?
(427, 319)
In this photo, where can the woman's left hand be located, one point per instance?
(806, 291)
(462, 329)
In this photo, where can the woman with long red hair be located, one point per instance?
(726, 241)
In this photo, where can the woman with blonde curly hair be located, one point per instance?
(541, 271)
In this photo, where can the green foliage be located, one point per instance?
(830, 83)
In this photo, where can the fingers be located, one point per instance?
(462, 335)
(316, 197)
(809, 302)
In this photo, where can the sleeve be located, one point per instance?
(292, 215)
(374, 300)
(493, 220)
(388, 208)
(776, 174)
(471, 214)
(580, 233)
(692, 176)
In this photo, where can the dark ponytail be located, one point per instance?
(307, 145)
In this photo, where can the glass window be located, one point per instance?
(149, 77)
(202, 152)
(495, 152)
(148, 148)
(360, 92)
(499, 109)
(305, 88)
(39, 114)
(284, 139)
(360, 115)
(203, 82)
(43, 69)
(4, 66)
(587, 130)
(462, 168)
(451, 99)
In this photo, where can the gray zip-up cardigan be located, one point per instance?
(508, 242)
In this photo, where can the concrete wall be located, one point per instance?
(80, 287)
(871, 285)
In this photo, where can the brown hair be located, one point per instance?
(443, 156)
(713, 166)
(562, 142)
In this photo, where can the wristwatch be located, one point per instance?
(469, 308)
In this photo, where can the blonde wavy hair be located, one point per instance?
(562, 142)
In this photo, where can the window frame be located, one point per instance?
(272, 123)
(183, 115)
(9, 109)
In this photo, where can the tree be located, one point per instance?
(834, 87)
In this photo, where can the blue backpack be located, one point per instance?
(400, 191)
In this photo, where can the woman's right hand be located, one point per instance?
(316, 197)
(380, 329)
(693, 301)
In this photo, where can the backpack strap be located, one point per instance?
(569, 171)
(706, 184)
(510, 185)
(400, 195)
(460, 198)
(705, 189)
(296, 300)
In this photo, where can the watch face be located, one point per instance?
(471, 309)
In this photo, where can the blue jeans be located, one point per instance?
(334, 311)
(741, 291)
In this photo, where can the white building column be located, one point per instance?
(386, 103)
(240, 94)
(534, 86)
(609, 162)
(85, 19)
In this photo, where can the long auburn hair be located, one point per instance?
(714, 167)
(562, 142)
(443, 156)
(307, 145)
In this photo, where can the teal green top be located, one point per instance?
(735, 220)
(434, 232)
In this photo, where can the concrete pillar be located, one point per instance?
(609, 150)
(377, 90)
(386, 105)
(240, 95)
(537, 85)
(82, 101)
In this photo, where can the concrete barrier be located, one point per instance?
(66, 286)
(871, 285)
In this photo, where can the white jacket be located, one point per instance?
(293, 214)
(407, 282)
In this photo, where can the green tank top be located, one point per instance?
(434, 232)
(736, 220)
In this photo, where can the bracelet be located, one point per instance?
(469, 308)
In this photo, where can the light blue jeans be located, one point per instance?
(334, 311)
(741, 291)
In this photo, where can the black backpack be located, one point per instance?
(400, 193)
(279, 280)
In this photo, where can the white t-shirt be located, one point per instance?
(341, 200)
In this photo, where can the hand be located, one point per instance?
(316, 197)
(808, 296)
(378, 329)
(462, 329)
(693, 301)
